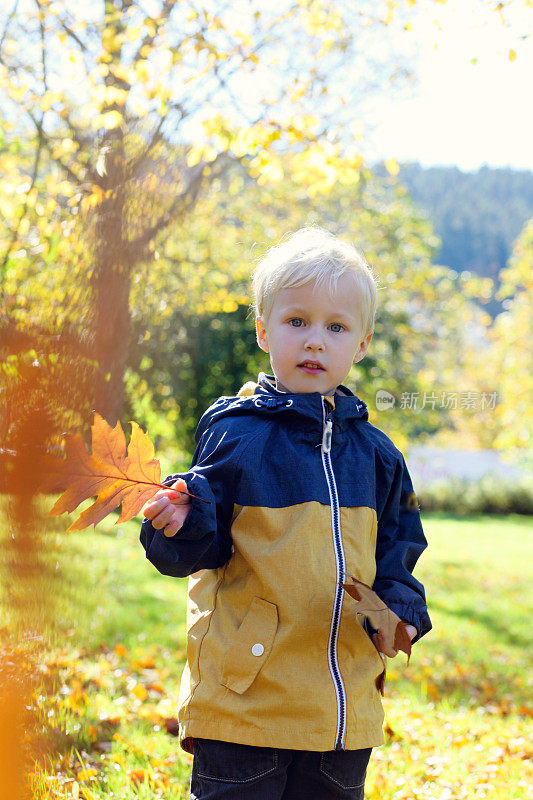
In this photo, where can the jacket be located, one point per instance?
(301, 489)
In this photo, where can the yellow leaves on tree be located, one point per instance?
(113, 473)
(392, 166)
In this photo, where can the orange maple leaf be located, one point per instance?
(112, 473)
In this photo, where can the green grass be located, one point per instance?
(457, 716)
(477, 574)
(458, 720)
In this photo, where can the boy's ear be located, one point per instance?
(261, 333)
(363, 347)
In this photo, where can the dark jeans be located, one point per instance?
(227, 771)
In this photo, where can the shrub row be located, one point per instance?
(489, 495)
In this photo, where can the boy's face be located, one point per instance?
(313, 337)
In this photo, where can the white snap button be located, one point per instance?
(258, 649)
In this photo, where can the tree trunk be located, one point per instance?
(111, 276)
(111, 279)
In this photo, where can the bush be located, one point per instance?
(489, 495)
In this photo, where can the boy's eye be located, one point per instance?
(336, 327)
(296, 322)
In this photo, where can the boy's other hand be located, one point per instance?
(169, 509)
(411, 631)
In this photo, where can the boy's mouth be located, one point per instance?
(311, 366)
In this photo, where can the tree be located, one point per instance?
(478, 215)
(195, 340)
(491, 363)
(512, 339)
(131, 115)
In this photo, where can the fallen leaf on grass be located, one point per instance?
(86, 774)
(138, 776)
(159, 780)
(72, 789)
(138, 664)
(113, 473)
(140, 692)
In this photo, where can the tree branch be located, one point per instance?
(48, 145)
(84, 46)
(73, 35)
(185, 200)
(149, 38)
(43, 47)
(35, 170)
(8, 20)
(133, 166)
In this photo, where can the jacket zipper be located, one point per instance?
(339, 558)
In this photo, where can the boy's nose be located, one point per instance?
(314, 341)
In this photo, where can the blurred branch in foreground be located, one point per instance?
(41, 393)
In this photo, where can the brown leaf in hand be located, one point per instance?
(392, 633)
(172, 726)
(380, 681)
(113, 473)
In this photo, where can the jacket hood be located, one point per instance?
(305, 410)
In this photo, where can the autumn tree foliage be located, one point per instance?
(491, 360)
(512, 336)
(118, 119)
(126, 117)
(185, 352)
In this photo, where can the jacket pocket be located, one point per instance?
(251, 645)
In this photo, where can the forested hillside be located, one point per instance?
(477, 215)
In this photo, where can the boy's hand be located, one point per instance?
(169, 509)
(411, 630)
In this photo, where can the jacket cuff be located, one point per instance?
(412, 616)
(202, 517)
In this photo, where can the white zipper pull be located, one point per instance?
(326, 436)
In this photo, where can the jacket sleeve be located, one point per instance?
(204, 540)
(400, 541)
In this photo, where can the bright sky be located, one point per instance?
(459, 112)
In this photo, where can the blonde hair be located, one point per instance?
(313, 254)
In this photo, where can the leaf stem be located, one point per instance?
(164, 486)
(195, 496)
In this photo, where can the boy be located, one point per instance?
(278, 699)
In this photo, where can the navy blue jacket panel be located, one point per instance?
(264, 450)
